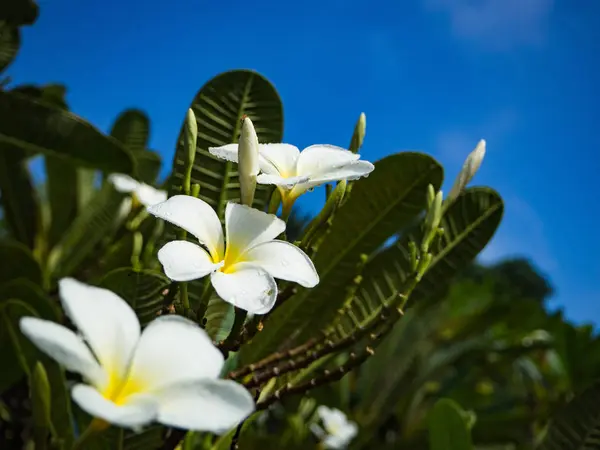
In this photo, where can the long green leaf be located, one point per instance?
(380, 206)
(18, 197)
(37, 126)
(143, 290)
(577, 425)
(16, 261)
(10, 41)
(469, 224)
(219, 106)
(95, 223)
(19, 297)
(447, 427)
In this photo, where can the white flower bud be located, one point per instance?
(248, 161)
(469, 169)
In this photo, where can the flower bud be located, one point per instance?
(40, 397)
(469, 169)
(248, 161)
(359, 133)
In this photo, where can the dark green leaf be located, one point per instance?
(37, 126)
(380, 206)
(219, 318)
(18, 196)
(19, 12)
(10, 41)
(143, 290)
(19, 298)
(577, 425)
(16, 261)
(95, 223)
(447, 427)
(132, 128)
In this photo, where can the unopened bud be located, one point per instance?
(191, 136)
(40, 397)
(469, 169)
(248, 161)
(359, 133)
(189, 142)
(430, 195)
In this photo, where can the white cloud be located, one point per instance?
(497, 24)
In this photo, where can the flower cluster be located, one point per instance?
(169, 373)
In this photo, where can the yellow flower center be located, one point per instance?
(119, 388)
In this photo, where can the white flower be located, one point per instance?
(146, 194)
(168, 374)
(339, 431)
(243, 271)
(294, 172)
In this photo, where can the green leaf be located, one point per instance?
(10, 41)
(132, 128)
(61, 186)
(219, 107)
(18, 262)
(19, 12)
(18, 197)
(219, 318)
(143, 290)
(19, 298)
(469, 224)
(576, 426)
(447, 427)
(380, 206)
(36, 126)
(95, 223)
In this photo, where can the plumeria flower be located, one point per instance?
(338, 432)
(144, 193)
(295, 172)
(168, 374)
(242, 269)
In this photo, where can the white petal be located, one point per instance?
(209, 405)
(278, 180)
(334, 442)
(246, 227)
(348, 431)
(350, 171)
(317, 430)
(137, 412)
(106, 321)
(320, 158)
(172, 350)
(248, 287)
(195, 216)
(284, 261)
(282, 156)
(185, 261)
(149, 196)
(65, 347)
(331, 416)
(123, 183)
(228, 152)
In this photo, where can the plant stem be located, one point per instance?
(95, 426)
(234, 334)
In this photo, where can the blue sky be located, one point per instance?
(431, 75)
